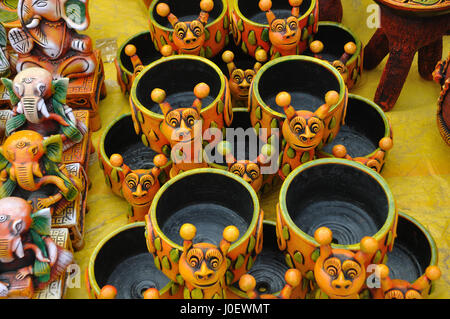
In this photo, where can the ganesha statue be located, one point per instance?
(29, 258)
(29, 166)
(39, 104)
(48, 37)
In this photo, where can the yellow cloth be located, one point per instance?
(417, 170)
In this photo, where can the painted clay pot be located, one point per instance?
(338, 45)
(251, 29)
(164, 74)
(441, 75)
(350, 199)
(211, 36)
(119, 138)
(201, 197)
(406, 27)
(366, 136)
(124, 64)
(276, 76)
(330, 10)
(411, 266)
(268, 270)
(121, 260)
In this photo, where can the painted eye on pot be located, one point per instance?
(298, 125)
(253, 171)
(394, 294)
(180, 30)
(332, 266)
(278, 26)
(196, 28)
(238, 169)
(238, 76)
(131, 180)
(194, 257)
(173, 119)
(315, 128)
(147, 181)
(351, 268)
(214, 257)
(413, 294)
(292, 23)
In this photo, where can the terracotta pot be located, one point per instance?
(275, 76)
(146, 52)
(441, 75)
(350, 199)
(164, 74)
(330, 10)
(412, 263)
(201, 197)
(215, 31)
(119, 138)
(250, 26)
(342, 48)
(121, 259)
(366, 136)
(268, 270)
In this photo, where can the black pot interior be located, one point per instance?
(269, 267)
(334, 40)
(125, 263)
(210, 202)
(411, 254)
(145, 50)
(306, 82)
(281, 8)
(178, 78)
(364, 128)
(186, 10)
(122, 139)
(341, 197)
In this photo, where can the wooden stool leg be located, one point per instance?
(393, 78)
(429, 56)
(376, 50)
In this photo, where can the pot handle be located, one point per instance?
(281, 241)
(259, 233)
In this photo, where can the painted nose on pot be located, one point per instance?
(308, 135)
(190, 37)
(244, 85)
(139, 192)
(289, 33)
(341, 283)
(204, 273)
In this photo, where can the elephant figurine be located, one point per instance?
(31, 162)
(48, 37)
(29, 258)
(39, 105)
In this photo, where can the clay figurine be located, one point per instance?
(48, 37)
(29, 161)
(284, 34)
(302, 130)
(441, 75)
(341, 273)
(39, 104)
(139, 186)
(182, 127)
(203, 265)
(29, 258)
(188, 37)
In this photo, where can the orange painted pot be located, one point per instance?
(366, 134)
(268, 270)
(350, 199)
(216, 29)
(166, 74)
(121, 259)
(296, 75)
(144, 50)
(412, 263)
(334, 37)
(119, 138)
(250, 27)
(210, 199)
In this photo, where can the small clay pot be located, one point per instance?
(209, 199)
(250, 26)
(216, 29)
(412, 263)
(350, 199)
(177, 76)
(341, 47)
(268, 270)
(307, 80)
(122, 260)
(366, 136)
(119, 138)
(146, 52)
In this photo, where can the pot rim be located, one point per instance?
(209, 24)
(387, 126)
(253, 195)
(353, 35)
(391, 215)
(91, 274)
(247, 20)
(416, 9)
(103, 137)
(329, 67)
(146, 111)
